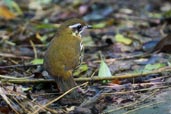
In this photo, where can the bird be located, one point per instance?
(64, 54)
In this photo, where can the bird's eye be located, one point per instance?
(79, 27)
(76, 27)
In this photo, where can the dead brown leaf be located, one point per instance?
(6, 13)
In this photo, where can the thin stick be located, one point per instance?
(18, 66)
(59, 97)
(34, 49)
(12, 77)
(95, 78)
(132, 91)
(9, 55)
(6, 99)
(125, 58)
(131, 111)
(132, 104)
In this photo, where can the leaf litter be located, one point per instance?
(134, 40)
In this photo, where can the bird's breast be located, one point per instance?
(63, 55)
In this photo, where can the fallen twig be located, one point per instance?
(12, 77)
(59, 97)
(19, 66)
(149, 105)
(95, 78)
(132, 104)
(132, 91)
(125, 58)
(9, 55)
(135, 75)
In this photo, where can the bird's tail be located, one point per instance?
(64, 84)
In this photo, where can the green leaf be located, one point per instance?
(155, 15)
(13, 6)
(99, 25)
(120, 38)
(26, 89)
(167, 14)
(150, 67)
(37, 61)
(82, 68)
(45, 26)
(104, 70)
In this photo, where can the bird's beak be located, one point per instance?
(89, 27)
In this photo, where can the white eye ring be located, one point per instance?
(74, 26)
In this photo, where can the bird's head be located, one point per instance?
(76, 26)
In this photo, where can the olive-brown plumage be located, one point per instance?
(63, 54)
